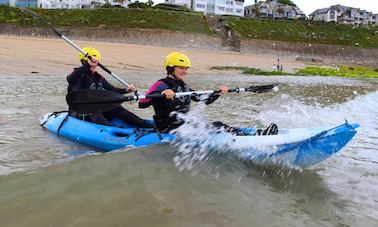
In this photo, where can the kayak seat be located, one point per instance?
(122, 134)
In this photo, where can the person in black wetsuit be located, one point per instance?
(176, 65)
(87, 77)
(165, 118)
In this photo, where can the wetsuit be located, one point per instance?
(166, 120)
(83, 78)
(164, 117)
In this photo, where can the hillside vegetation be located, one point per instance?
(305, 31)
(110, 18)
(194, 22)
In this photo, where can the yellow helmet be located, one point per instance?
(91, 52)
(176, 59)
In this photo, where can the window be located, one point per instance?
(4, 2)
(27, 3)
(220, 8)
(229, 3)
(210, 8)
(239, 3)
(229, 10)
(238, 11)
(200, 6)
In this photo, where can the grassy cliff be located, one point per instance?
(111, 18)
(194, 22)
(305, 31)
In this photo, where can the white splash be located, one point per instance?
(197, 140)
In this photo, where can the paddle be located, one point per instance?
(94, 101)
(72, 44)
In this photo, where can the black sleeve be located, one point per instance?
(77, 73)
(210, 99)
(110, 87)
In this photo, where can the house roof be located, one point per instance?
(341, 7)
(323, 10)
(274, 6)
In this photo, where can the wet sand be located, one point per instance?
(25, 56)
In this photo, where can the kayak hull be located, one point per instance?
(100, 136)
(291, 147)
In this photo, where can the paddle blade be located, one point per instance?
(93, 101)
(260, 89)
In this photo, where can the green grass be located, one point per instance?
(254, 71)
(194, 22)
(304, 31)
(110, 18)
(342, 71)
(228, 68)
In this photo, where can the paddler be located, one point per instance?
(177, 64)
(87, 77)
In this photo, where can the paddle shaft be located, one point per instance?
(74, 45)
(94, 101)
(257, 89)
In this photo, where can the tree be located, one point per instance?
(150, 3)
(141, 5)
(286, 2)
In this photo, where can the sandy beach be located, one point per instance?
(24, 55)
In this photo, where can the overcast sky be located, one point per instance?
(309, 6)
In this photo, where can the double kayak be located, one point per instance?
(290, 147)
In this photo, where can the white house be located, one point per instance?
(63, 4)
(273, 9)
(374, 19)
(215, 7)
(6, 2)
(344, 15)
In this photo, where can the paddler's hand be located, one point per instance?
(169, 93)
(223, 89)
(131, 88)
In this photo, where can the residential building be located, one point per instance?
(344, 15)
(63, 4)
(5, 2)
(214, 7)
(27, 3)
(273, 9)
(374, 19)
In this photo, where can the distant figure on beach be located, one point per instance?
(87, 77)
(277, 66)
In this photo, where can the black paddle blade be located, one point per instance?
(94, 101)
(261, 89)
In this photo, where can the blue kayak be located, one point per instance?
(290, 147)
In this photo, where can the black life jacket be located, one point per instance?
(163, 108)
(87, 81)
(181, 105)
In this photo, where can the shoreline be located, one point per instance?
(53, 56)
(299, 52)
